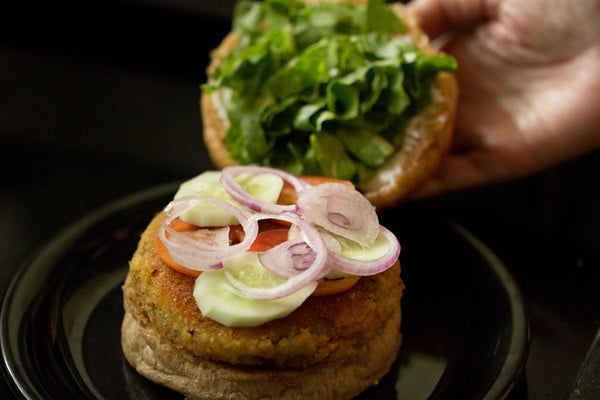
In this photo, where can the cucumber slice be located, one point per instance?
(355, 251)
(351, 249)
(205, 214)
(266, 187)
(246, 268)
(219, 301)
(206, 183)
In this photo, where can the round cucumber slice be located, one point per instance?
(246, 268)
(266, 187)
(219, 301)
(205, 214)
(357, 252)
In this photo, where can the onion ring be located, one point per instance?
(198, 255)
(235, 190)
(341, 210)
(372, 267)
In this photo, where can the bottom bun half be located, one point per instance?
(170, 366)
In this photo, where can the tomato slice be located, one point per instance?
(268, 239)
(165, 256)
(180, 225)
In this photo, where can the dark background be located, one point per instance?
(99, 99)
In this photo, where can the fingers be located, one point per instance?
(478, 167)
(455, 173)
(432, 15)
(439, 16)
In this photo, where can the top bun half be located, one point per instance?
(427, 137)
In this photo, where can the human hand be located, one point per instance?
(529, 80)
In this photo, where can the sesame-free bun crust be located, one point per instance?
(163, 363)
(332, 347)
(427, 140)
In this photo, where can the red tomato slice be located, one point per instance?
(268, 239)
(165, 256)
(180, 225)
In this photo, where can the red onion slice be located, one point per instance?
(368, 267)
(235, 190)
(287, 259)
(204, 255)
(185, 249)
(310, 271)
(340, 210)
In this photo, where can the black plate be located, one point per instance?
(464, 325)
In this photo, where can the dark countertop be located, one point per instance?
(93, 111)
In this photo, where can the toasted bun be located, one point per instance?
(332, 347)
(427, 140)
(163, 363)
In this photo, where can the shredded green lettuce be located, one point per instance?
(322, 89)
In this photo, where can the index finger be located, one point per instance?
(439, 16)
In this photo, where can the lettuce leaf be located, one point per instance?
(322, 89)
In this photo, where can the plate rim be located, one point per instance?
(518, 350)
(10, 366)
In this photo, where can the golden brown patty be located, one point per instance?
(323, 329)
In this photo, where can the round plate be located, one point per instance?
(465, 332)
